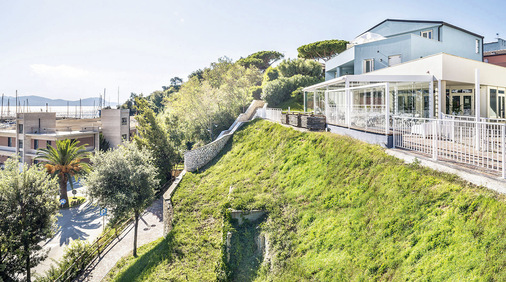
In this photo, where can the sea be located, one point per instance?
(61, 111)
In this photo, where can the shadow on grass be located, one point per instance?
(160, 253)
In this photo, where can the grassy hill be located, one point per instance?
(338, 209)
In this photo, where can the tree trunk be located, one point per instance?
(136, 223)
(28, 276)
(63, 191)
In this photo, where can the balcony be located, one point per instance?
(62, 130)
(7, 149)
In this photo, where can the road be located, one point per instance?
(83, 222)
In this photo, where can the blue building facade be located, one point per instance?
(400, 41)
(500, 44)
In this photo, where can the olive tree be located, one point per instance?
(123, 180)
(28, 207)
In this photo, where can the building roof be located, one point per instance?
(423, 21)
(441, 66)
(494, 53)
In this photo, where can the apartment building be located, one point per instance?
(40, 129)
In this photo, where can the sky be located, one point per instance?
(65, 49)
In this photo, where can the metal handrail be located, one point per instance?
(97, 242)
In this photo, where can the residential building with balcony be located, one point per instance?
(35, 130)
(393, 41)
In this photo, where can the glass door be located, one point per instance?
(455, 107)
(467, 105)
(501, 105)
(462, 102)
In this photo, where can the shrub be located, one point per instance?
(289, 68)
(256, 92)
(298, 95)
(72, 252)
(279, 90)
(270, 75)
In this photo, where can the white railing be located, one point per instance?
(479, 144)
(472, 118)
(273, 114)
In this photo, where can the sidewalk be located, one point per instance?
(83, 222)
(150, 228)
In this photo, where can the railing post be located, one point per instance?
(503, 149)
(434, 140)
(387, 108)
(394, 127)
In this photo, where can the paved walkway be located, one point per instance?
(150, 228)
(83, 222)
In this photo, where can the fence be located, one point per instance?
(90, 254)
(479, 144)
(273, 114)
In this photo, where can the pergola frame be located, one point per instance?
(376, 81)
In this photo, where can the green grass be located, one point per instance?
(339, 209)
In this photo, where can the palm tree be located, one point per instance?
(64, 161)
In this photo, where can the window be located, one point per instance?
(394, 60)
(124, 137)
(368, 65)
(123, 121)
(9, 141)
(20, 128)
(20, 144)
(467, 105)
(35, 144)
(501, 104)
(48, 143)
(426, 34)
(477, 46)
(493, 102)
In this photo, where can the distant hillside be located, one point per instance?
(338, 210)
(41, 101)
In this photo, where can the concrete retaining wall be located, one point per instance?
(168, 211)
(251, 215)
(371, 138)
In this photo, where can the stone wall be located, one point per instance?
(168, 211)
(199, 157)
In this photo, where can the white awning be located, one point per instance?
(369, 78)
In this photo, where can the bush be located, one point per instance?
(289, 68)
(270, 75)
(298, 95)
(256, 92)
(72, 252)
(279, 90)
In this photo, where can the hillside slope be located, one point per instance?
(339, 209)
